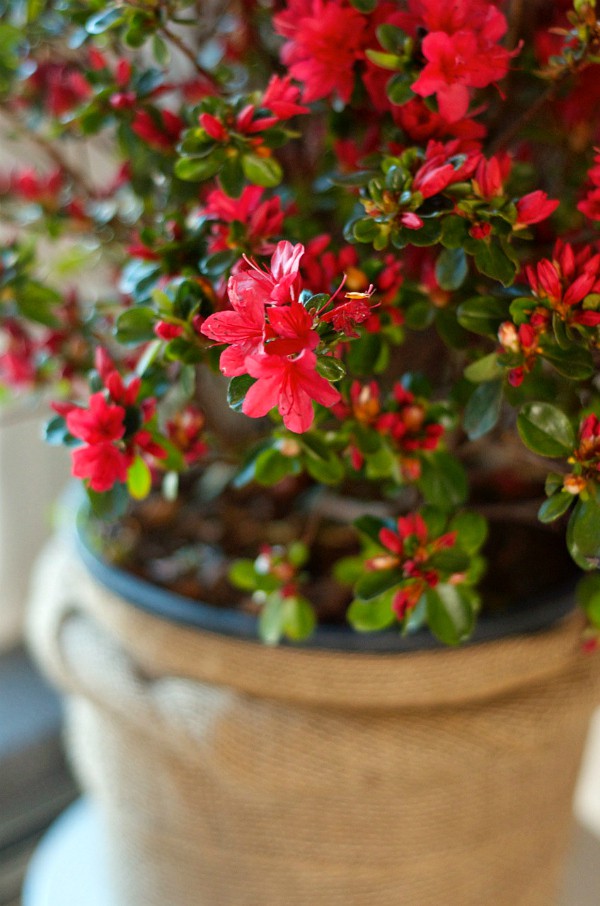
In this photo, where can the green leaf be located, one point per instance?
(450, 613)
(271, 621)
(135, 325)
(329, 368)
(370, 527)
(330, 471)
(364, 6)
(398, 89)
(483, 409)
(364, 354)
(242, 574)
(199, 169)
(575, 362)
(374, 582)
(382, 463)
(271, 466)
(451, 268)
(484, 369)
(373, 615)
(545, 429)
(588, 597)
(231, 177)
(482, 315)
(491, 260)
(443, 481)
(454, 232)
(262, 171)
(384, 60)
(111, 504)
(237, 390)
(583, 534)
(299, 618)
(555, 506)
(472, 530)
(139, 479)
(391, 37)
(103, 21)
(160, 51)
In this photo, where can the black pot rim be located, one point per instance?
(541, 612)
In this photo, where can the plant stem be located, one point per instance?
(187, 52)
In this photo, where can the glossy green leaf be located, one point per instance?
(472, 529)
(583, 534)
(271, 622)
(242, 574)
(555, 506)
(271, 466)
(198, 169)
(545, 429)
(135, 325)
(262, 171)
(492, 260)
(299, 618)
(139, 479)
(373, 615)
(237, 390)
(364, 6)
(485, 369)
(374, 582)
(329, 368)
(573, 362)
(450, 613)
(482, 315)
(483, 409)
(105, 20)
(443, 481)
(451, 268)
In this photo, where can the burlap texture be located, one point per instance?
(439, 778)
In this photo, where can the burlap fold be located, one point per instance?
(235, 775)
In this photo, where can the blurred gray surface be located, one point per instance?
(35, 783)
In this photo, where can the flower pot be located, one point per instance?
(231, 774)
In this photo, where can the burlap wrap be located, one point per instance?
(234, 775)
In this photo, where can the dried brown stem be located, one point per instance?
(187, 52)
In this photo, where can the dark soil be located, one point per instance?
(187, 546)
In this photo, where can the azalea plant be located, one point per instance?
(368, 226)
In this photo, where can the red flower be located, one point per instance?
(243, 329)
(462, 53)
(102, 422)
(534, 207)
(160, 129)
(102, 464)
(325, 40)
(290, 385)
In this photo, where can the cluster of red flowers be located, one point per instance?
(404, 420)
(114, 429)
(565, 286)
(272, 337)
(327, 43)
(248, 223)
(410, 550)
(590, 205)
(586, 456)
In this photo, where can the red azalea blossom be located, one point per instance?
(563, 283)
(261, 218)
(290, 385)
(410, 550)
(462, 56)
(534, 207)
(325, 38)
(102, 464)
